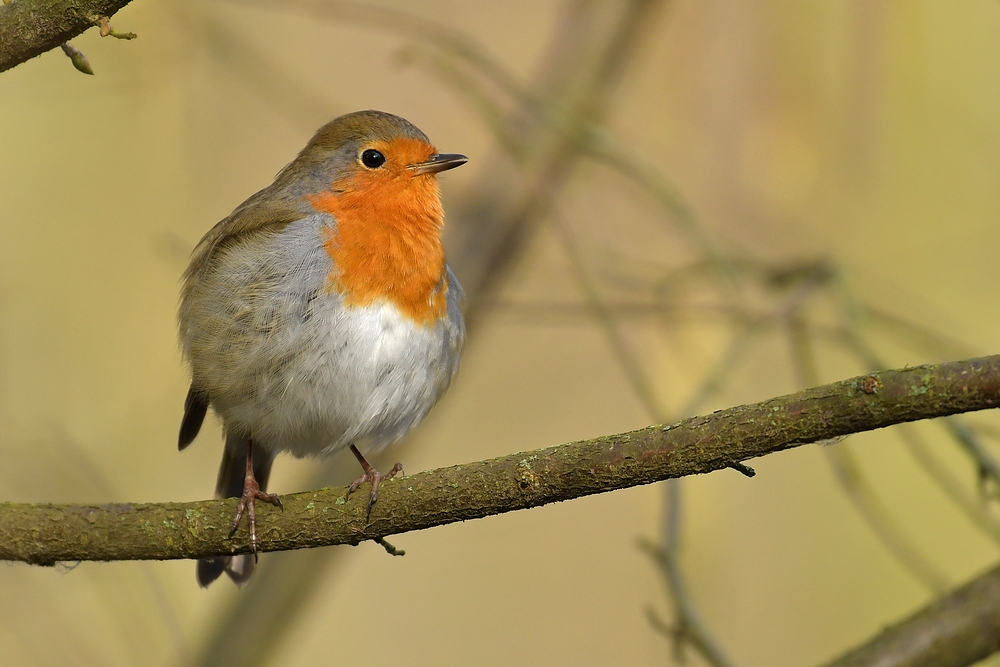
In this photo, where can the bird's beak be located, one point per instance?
(437, 163)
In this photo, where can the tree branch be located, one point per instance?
(959, 629)
(45, 534)
(31, 27)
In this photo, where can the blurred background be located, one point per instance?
(670, 207)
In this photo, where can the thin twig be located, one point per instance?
(104, 25)
(688, 628)
(953, 487)
(389, 549)
(866, 500)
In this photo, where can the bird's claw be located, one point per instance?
(252, 493)
(375, 477)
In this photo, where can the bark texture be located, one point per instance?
(31, 27)
(961, 628)
(45, 534)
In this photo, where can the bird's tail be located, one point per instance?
(232, 472)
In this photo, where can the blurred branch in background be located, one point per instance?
(959, 629)
(792, 318)
(46, 534)
(687, 628)
(586, 138)
(233, 52)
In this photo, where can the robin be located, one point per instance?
(321, 314)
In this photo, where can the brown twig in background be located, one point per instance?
(46, 534)
(959, 629)
(687, 628)
(29, 28)
(863, 493)
(961, 493)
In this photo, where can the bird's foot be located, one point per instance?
(370, 475)
(252, 493)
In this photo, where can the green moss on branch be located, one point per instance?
(45, 534)
(31, 27)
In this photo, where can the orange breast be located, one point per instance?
(386, 244)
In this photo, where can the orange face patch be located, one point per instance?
(386, 245)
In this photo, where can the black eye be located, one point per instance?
(372, 159)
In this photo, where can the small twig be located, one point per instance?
(391, 550)
(676, 634)
(744, 469)
(989, 468)
(688, 628)
(952, 486)
(104, 23)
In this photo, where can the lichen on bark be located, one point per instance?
(45, 534)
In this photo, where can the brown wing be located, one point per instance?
(264, 210)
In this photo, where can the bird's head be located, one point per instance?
(373, 152)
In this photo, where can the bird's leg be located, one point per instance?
(370, 475)
(252, 492)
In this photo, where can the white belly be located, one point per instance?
(369, 378)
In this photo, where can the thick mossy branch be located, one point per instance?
(959, 629)
(31, 27)
(45, 534)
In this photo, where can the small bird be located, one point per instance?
(321, 314)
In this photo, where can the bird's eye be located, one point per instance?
(372, 158)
